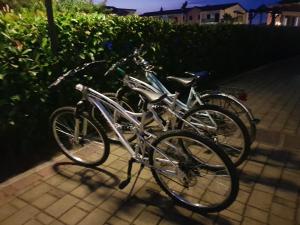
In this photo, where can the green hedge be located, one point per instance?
(28, 67)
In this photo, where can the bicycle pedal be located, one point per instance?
(124, 183)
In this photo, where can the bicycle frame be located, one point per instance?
(99, 100)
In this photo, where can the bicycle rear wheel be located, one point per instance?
(234, 106)
(208, 184)
(90, 147)
(222, 127)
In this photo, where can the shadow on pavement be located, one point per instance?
(92, 177)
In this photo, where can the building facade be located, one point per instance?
(210, 14)
(284, 15)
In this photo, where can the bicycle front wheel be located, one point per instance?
(208, 184)
(81, 139)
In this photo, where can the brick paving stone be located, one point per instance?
(298, 215)
(46, 172)
(147, 218)
(18, 203)
(35, 192)
(44, 218)
(81, 191)
(73, 216)
(61, 206)
(111, 159)
(118, 165)
(283, 211)
(98, 196)
(44, 201)
(275, 220)
(286, 193)
(112, 204)
(261, 200)
(231, 215)
(256, 214)
(25, 182)
(248, 221)
(139, 184)
(69, 185)
(284, 202)
(85, 206)
(6, 211)
(21, 217)
(237, 207)
(33, 222)
(201, 219)
(96, 217)
(292, 142)
(265, 188)
(56, 222)
(130, 210)
(116, 221)
(57, 193)
(56, 180)
(243, 196)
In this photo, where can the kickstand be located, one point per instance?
(137, 176)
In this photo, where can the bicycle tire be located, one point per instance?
(235, 107)
(89, 145)
(236, 125)
(199, 199)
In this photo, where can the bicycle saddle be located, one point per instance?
(151, 97)
(182, 80)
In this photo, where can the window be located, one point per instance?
(199, 17)
(190, 17)
(217, 17)
(208, 16)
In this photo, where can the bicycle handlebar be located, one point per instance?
(72, 72)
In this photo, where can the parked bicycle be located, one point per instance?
(212, 97)
(204, 183)
(218, 124)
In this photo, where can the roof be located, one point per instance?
(120, 11)
(204, 8)
(291, 7)
(164, 12)
(217, 7)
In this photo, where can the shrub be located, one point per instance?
(28, 67)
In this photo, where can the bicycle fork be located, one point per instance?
(80, 108)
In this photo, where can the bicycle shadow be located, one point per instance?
(166, 208)
(275, 160)
(92, 177)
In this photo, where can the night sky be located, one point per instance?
(154, 5)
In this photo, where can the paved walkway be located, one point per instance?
(60, 192)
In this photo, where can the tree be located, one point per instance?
(86, 6)
(227, 18)
(184, 5)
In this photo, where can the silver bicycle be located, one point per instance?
(213, 122)
(204, 183)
